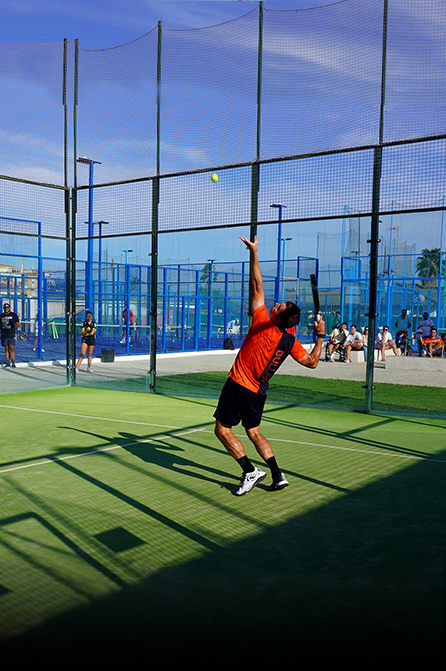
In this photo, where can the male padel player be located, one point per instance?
(268, 342)
(9, 323)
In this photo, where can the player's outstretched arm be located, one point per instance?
(258, 297)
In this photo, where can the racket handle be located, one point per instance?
(318, 318)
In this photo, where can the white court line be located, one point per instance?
(104, 419)
(164, 426)
(102, 449)
(353, 449)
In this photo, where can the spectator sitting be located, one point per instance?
(354, 341)
(365, 339)
(336, 341)
(423, 331)
(434, 344)
(403, 342)
(384, 341)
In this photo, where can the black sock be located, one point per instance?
(245, 464)
(272, 463)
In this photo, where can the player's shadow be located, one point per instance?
(161, 452)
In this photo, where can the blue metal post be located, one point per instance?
(39, 289)
(165, 298)
(440, 275)
(210, 304)
(197, 311)
(127, 292)
(226, 312)
(242, 301)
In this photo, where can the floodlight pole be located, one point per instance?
(89, 267)
(99, 311)
(280, 207)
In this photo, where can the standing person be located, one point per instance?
(268, 342)
(424, 327)
(403, 323)
(124, 321)
(88, 340)
(9, 323)
(403, 334)
(38, 325)
(354, 341)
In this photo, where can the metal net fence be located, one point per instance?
(325, 129)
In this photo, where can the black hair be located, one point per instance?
(286, 316)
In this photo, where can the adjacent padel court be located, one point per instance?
(120, 527)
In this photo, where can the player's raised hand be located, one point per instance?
(319, 326)
(251, 245)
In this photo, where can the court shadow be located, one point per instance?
(360, 579)
(160, 450)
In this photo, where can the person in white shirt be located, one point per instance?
(354, 341)
(384, 341)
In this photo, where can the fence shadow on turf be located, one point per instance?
(362, 573)
(351, 435)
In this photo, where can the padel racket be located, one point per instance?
(315, 293)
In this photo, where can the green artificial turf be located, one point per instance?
(120, 532)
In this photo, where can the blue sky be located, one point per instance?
(340, 71)
(102, 24)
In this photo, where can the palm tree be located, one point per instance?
(428, 266)
(205, 277)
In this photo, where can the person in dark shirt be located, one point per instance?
(9, 322)
(88, 332)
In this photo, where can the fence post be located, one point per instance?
(374, 232)
(155, 204)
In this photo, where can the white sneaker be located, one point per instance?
(121, 342)
(89, 370)
(249, 480)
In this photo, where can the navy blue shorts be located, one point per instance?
(238, 403)
(8, 341)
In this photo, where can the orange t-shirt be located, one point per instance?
(264, 349)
